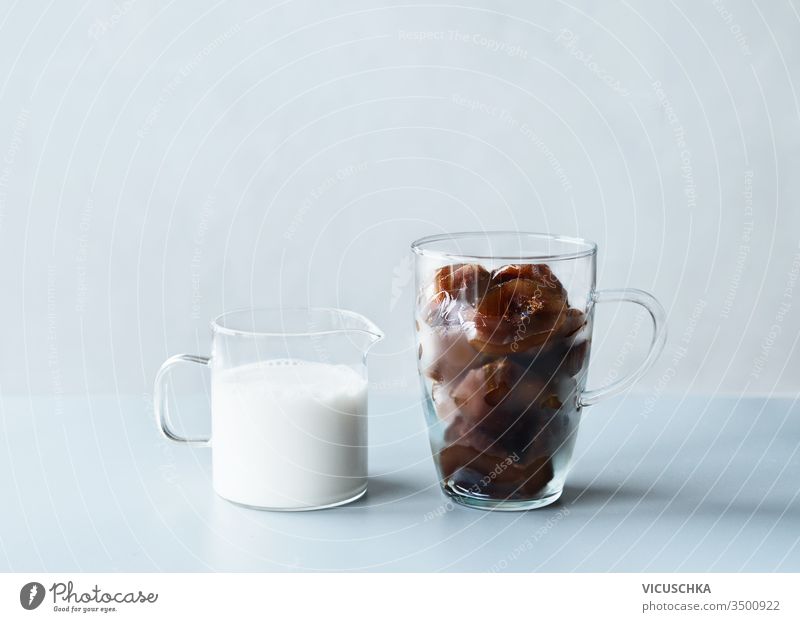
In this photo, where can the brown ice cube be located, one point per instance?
(534, 477)
(497, 395)
(455, 457)
(443, 403)
(574, 321)
(445, 353)
(439, 310)
(468, 281)
(557, 358)
(494, 476)
(575, 358)
(517, 315)
(463, 432)
(552, 402)
(512, 298)
(493, 336)
(540, 273)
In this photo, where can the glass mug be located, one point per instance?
(288, 406)
(503, 333)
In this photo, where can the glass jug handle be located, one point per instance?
(161, 403)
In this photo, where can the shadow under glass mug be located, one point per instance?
(288, 406)
(503, 331)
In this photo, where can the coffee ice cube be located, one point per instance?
(497, 394)
(467, 281)
(445, 353)
(517, 314)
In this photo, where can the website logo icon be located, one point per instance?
(31, 595)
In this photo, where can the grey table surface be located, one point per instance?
(694, 484)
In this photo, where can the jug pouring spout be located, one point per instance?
(359, 324)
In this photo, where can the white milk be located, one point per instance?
(289, 434)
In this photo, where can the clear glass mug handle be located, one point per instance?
(657, 315)
(161, 402)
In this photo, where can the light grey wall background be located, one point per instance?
(163, 161)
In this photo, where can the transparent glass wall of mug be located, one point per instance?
(504, 326)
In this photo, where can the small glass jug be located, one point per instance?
(288, 406)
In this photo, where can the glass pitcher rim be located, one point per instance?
(588, 249)
(369, 327)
